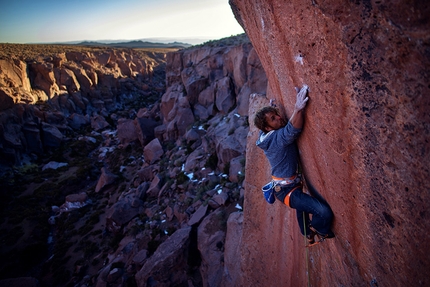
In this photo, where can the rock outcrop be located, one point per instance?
(73, 89)
(364, 146)
(204, 82)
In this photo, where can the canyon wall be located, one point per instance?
(136, 181)
(73, 87)
(364, 147)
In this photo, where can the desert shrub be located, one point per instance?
(170, 145)
(235, 194)
(115, 240)
(28, 168)
(81, 149)
(240, 178)
(227, 168)
(13, 235)
(222, 219)
(90, 248)
(189, 148)
(94, 217)
(152, 246)
(212, 161)
(181, 178)
(135, 230)
(201, 190)
(246, 123)
(97, 232)
(85, 229)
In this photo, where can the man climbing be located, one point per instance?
(278, 140)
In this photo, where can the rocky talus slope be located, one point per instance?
(365, 144)
(123, 167)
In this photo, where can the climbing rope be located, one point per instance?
(306, 252)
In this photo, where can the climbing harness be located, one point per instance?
(284, 187)
(273, 187)
(286, 181)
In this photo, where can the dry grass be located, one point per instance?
(28, 52)
(228, 41)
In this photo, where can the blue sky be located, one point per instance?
(42, 21)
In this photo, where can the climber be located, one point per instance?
(278, 141)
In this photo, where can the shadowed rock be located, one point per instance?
(165, 266)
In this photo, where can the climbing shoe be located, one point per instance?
(311, 238)
(322, 236)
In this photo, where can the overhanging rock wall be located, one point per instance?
(365, 144)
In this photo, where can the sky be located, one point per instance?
(53, 21)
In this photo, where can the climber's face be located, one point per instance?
(274, 121)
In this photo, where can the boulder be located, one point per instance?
(168, 265)
(140, 257)
(45, 78)
(123, 211)
(202, 113)
(106, 178)
(77, 198)
(211, 241)
(179, 213)
(145, 129)
(227, 149)
(6, 101)
(77, 121)
(237, 169)
(193, 83)
(194, 160)
(225, 98)
(98, 123)
(33, 138)
(52, 137)
(232, 251)
(153, 151)
(13, 73)
(126, 130)
(198, 215)
(207, 96)
(146, 173)
(74, 201)
(54, 165)
(160, 132)
(220, 198)
(66, 77)
(154, 188)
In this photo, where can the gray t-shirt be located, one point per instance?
(280, 148)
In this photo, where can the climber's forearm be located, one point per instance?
(297, 118)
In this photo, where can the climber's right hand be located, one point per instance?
(301, 98)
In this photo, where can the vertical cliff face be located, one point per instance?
(364, 147)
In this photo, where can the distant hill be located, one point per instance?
(136, 44)
(233, 40)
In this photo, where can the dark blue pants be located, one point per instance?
(322, 215)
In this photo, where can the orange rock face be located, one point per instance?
(365, 144)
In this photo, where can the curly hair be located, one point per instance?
(260, 117)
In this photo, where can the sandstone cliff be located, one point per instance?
(364, 147)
